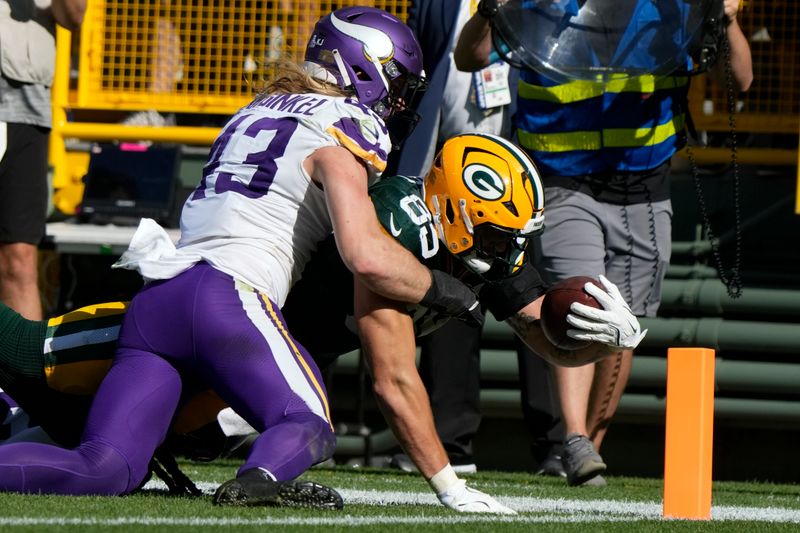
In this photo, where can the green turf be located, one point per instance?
(578, 509)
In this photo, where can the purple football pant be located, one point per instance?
(199, 328)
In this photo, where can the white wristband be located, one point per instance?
(443, 479)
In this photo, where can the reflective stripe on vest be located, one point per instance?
(582, 90)
(595, 140)
(636, 122)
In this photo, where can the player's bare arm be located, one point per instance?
(387, 339)
(374, 258)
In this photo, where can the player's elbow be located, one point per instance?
(384, 389)
(368, 267)
(389, 389)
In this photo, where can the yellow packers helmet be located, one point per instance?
(487, 199)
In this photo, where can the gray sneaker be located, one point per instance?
(596, 481)
(552, 465)
(580, 461)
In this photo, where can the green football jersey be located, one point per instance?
(403, 214)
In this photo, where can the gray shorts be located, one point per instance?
(629, 244)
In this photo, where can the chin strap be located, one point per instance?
(346, 81)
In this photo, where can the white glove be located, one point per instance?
(463, 499)
(615, 325)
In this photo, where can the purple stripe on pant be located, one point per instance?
(195, 326)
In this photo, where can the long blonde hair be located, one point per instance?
(291, 78)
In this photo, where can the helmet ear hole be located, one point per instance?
(361, 74)
(449, 212)
(511, 208)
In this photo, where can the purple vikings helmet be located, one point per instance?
(372, 53)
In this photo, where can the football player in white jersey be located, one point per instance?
(286, 170)
(482, 202)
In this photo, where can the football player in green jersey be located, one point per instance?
(51, 370)
(471, 216)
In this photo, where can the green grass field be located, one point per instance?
(386, 500)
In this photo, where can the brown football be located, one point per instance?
(555, 308)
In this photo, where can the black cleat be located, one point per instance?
(254, 488)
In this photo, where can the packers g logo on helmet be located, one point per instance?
(484, 182)
(486, 197)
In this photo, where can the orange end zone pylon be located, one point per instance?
(689, 433)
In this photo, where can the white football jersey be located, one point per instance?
(256, 214)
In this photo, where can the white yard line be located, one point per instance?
(338, 520)
(597, 509)
(547, 510)
(527, 504)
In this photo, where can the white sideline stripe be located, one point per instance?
(586, 509)
(329, 520)
(345, 520)
(572, 510)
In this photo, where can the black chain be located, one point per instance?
(732, 281)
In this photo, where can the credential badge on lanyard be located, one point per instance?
(491, 86)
